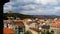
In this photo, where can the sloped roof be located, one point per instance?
(20, 24)
(8, 21)
(7, 31)
(58, 21)
(57, 25)
(17, 20)
(35, 29)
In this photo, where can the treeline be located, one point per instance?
(21, 16)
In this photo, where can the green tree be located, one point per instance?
(47, 32)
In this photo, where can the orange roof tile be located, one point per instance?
(35, 29)
(58, 21)
(7, 21)
(56, 25)
(20, 24)
(8, 31)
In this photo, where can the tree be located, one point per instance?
(47, 32)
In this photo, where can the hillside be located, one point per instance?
(22, 16)
(16, 15)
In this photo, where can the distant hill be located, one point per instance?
(47, 16)
(22, 16)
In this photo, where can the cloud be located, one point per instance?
(34, 7)
(56, 10)
(38, 12)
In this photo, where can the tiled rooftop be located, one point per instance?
(8, 31)
(57, 25)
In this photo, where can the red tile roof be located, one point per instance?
(58, 21)
(57, 25)
(35, 29)
(8, 31)
(17, 20)
(8, 21)
(20, 24)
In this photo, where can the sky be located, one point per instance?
(33, 7)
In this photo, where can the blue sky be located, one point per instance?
(34, 7)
